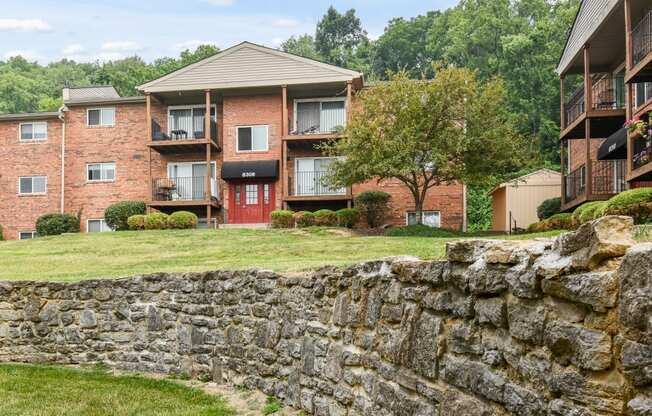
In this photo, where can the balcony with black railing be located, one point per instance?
(183, 133)
(575, 183)
(641, 50)
(608, 177)
(313, 184)
(184, 190)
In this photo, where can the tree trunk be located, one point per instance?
(418, 208)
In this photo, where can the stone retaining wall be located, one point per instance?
(558, 327)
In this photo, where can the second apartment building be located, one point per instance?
(231, 138)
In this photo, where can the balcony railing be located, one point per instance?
(607, 93)
(183, 189)
(642, 38)
(319, 117)
(182, 134)
(608, 177)
(642, 154)
(313, 184)
(575, 184)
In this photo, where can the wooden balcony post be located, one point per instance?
(349, 96)
(562, 104)
(207, 134)
(588, 89)
(148, 118)
(629, 45)
(284, 133)
(589, 163)
(563, 172)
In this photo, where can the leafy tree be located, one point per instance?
(426, 133)
(337, 35)
(303, 45)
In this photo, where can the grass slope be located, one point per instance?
(38, 391)
(83, 256)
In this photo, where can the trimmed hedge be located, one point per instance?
(548, 208)
(304, 219)
(117, 215)
(373, 206)
(563, 221)
(325, 218)
(136, 222)
(586, 212)
(348, 217)
(282, 218)
(56, 224)
(636, 203)
(182, 220)
(156, 221)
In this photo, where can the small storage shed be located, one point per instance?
(515, 202)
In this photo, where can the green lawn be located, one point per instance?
(83, 256)
(41, 391)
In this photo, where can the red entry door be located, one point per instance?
(250, 202)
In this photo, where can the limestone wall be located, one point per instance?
(525, 328)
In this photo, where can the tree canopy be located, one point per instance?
(428, 132)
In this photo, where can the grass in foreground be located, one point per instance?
(84, 256)
(36, 391)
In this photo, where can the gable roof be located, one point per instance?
(249, 65)
(552, 174)
(589, 17)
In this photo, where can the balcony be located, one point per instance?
(606, 113)
(607, 179)
(185, 132)
(575, 185)
(314, 185)
(641, 70)
(318, 118)
(183, 191)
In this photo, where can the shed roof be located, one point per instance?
(29, 116)
(95, 92)
(529, 177)
(249, 65)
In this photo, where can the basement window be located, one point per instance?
(33, 132)
(32, 185)
(430, 218)
(27, 235)
(97, 226)
(100, 117)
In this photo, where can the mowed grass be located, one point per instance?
(103, 255)
(42, 391)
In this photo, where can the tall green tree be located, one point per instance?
(303, 45)
(337, 35)
(426, 133)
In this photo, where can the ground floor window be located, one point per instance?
(26, 235)
(430, 218)
(97, 226)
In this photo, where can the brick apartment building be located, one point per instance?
(609, 50)
(230, 138)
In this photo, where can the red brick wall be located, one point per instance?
(20, 212)
(578, 152)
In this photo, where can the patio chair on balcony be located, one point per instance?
(606, 100)
(166, 189)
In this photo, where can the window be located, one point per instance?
(322, 115)
(251, 194)
(187, 122)
(101, 117)
(237, 194)
(252, 139)
(32, 185)
(31, 132)
(643, 93)
(100, 172)
(430, 218)
(27, 235)
(97, 226)
(266, 193)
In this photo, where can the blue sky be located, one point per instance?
(89, 30)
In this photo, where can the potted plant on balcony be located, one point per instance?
(640, 127)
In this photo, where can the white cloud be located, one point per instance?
(74, 49)
(24, 25)
(277, 41)
(125, 46)
(219, 2)
(285, 23)
(192, 44)
(29, 55)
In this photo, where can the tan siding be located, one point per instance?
(499, 203)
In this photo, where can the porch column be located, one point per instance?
(562, 102)
(148, 120)
(207, 134)
(629, 88)
(563, 159)
(284, 153)
(629, 48)
(349, 95)
(588, 105)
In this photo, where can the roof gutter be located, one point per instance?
(63, 156)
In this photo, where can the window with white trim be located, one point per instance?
(33, 132)
(97, 226)
(430, 218)
(100, 117)
(319, 115)
(30, 185)
(252, 138)
(100, 172)
(27, 235)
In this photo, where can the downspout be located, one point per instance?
(63, 155)
(464, 219)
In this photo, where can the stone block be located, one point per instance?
(586, 348)
(598, 289)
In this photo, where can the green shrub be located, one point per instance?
(55, 224)
(563, 221)
(347, 217)
(2, 236)
(282, 218)
(420, 230)
(373, 206)
(304, 219)
(599, 210)
(182, 220)
(548, 208)
(586, 212)
(136, 222)
(116, 215)
(636, 203)
(156, 221)
(325, 218)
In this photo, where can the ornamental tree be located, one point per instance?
(425, 133)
